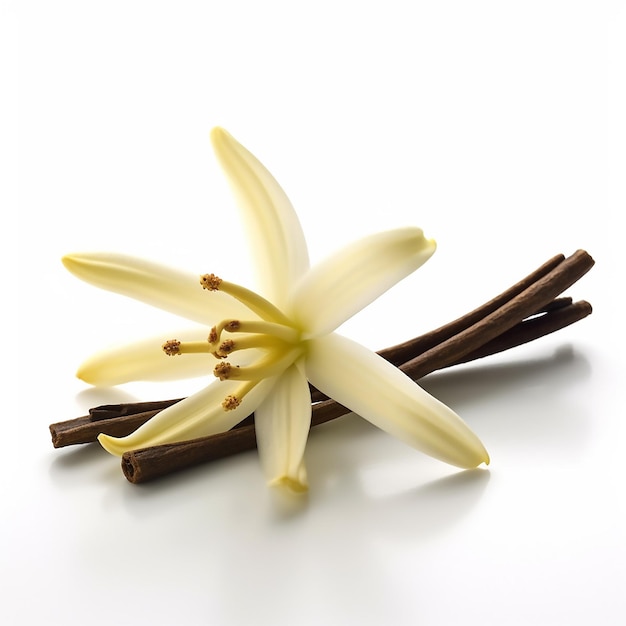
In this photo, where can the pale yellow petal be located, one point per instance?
(158, 285)
(145, 360)
(282, 423)
(274, 231)
(346, 282)
(200, 415)
(376, 390)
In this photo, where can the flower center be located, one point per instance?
(274, 335)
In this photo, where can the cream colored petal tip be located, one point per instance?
(376, 390)
(282, 424)
(290, 485)
(347, 281)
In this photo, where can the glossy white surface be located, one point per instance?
(497, 129)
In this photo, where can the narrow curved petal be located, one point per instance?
(376, 390)
(145, 360)
(334, 290)
(158, 285)
(282, 423)
(274, 230)
(199, 415)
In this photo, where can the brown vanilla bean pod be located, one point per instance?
(108, 411)
(557, 303)
(123, 419)
(149, 463)
(533, 298)
(407, 350)
(518, 335)
(83, 431)
(146, 464)
(524, 332)
(86, 429)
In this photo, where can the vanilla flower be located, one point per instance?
(264, 350)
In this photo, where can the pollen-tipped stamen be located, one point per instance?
(286, 334)
(210, 282)
(233, 400)
(225, 348)
(273, 363)
(175, 347)
(215, 336)
(230, 403)
(259, 341)
(223, 370)
(256, 303)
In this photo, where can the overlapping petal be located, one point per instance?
(274, 231)
(282, 423)
(337, 288)
(200, 415)
(370, 386)
(145, 360)
(155, 284)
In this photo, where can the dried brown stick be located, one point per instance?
(494, 322)
(86, 429)
(107, 411)
(120, 420)
(530, 329)
(517, 335)
(406, 351)
(149, 463)
(533, 298)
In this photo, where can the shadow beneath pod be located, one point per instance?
(470, 383)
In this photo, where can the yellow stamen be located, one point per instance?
(281, 331)
(174, 347)
(215, 335)
(272, 364)
(259, 327)
(256, 303)
(228, 346)
(195, 347)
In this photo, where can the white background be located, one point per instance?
(498, 127)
